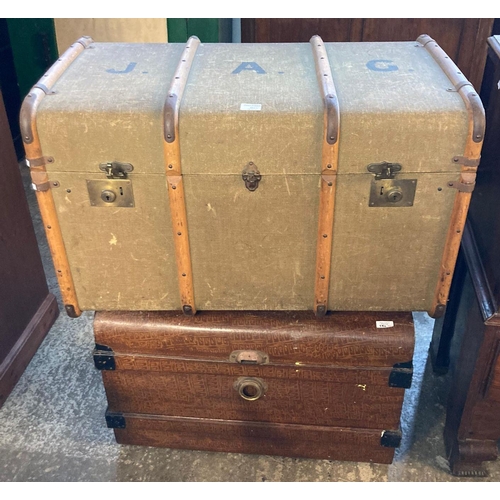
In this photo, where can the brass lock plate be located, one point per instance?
(392, 192)
(111, 193)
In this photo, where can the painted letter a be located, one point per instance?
(249, 66)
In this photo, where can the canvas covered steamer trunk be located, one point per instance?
(307, 176)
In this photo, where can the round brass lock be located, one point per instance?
(394, 194)
(250, 388)
(108, 196)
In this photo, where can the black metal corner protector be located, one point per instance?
(390, 439)
(104, 358)
(401, 375)
(115, 420)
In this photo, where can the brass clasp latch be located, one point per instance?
(116, 190)
(249, 357)
(386, 190)
(384, 169)
(251, 176)
(116, 169)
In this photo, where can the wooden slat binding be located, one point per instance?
(39, 174)
(329, 167)
(172, 154)
(472, 154)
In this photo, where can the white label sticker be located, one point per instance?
(250, 107)
(384, 324)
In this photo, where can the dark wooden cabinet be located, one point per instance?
(464, 40)
(27, 309)
(467, 340)
(9, 87)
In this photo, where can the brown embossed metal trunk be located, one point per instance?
(301, 176)
(268, 383)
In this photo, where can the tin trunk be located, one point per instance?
(278, 383)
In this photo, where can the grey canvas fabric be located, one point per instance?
(255, 103)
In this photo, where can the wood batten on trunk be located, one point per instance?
(172, 153)
(469, 162)
(39, 176)
(329, 166)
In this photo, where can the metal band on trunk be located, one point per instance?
(329, 166)
(172, 153)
